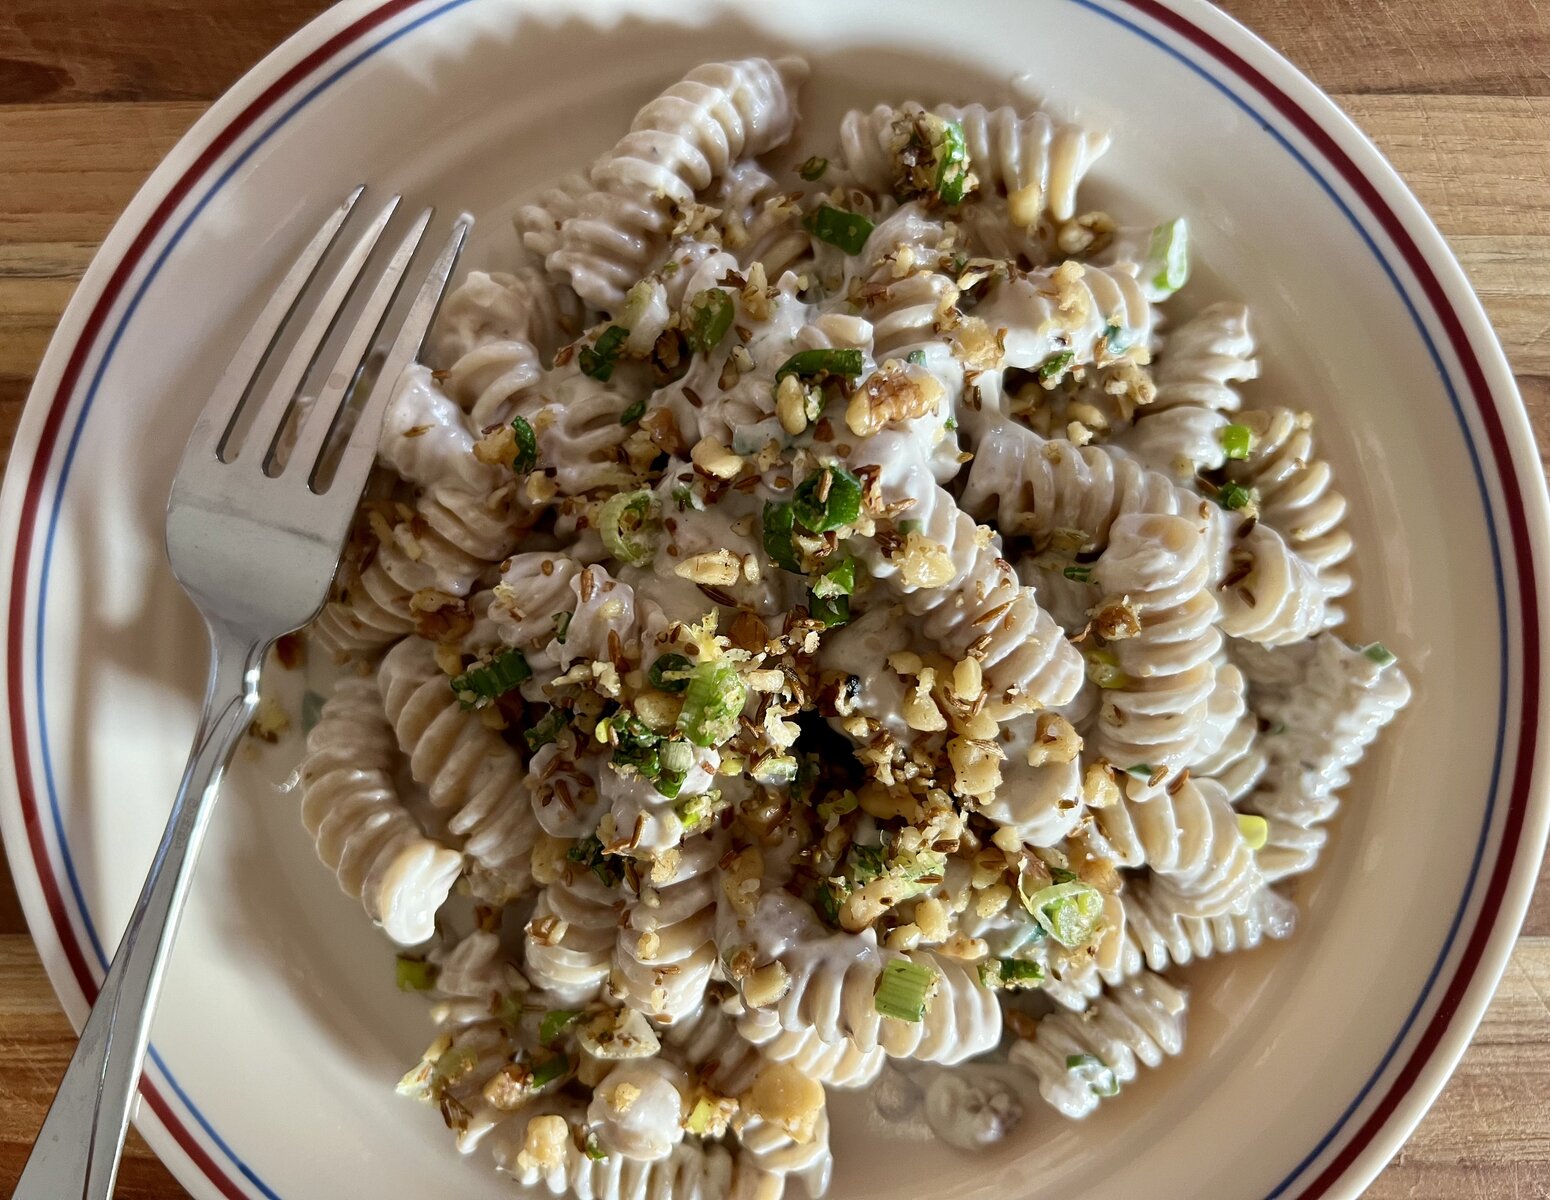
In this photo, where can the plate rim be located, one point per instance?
(1384, 196)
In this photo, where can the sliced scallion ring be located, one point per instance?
(627, 525)
(479, 685)
(598, 360)
(904, 990)
(847, 230)
(1071, 912)
(1094, 1072)
(707, 317)
(829, 498)
(1166, 269)
(713, 703)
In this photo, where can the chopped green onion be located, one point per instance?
(847, 230)
(1379, 653)
(1254, 830)
(910, 525)
(598, 361)
(634, 413)
(508, 1010)
(670, 673)
(1236, 440)
(1071, 912)
(865, 863)
(831, 894)
(627, 526)
(810, 364)
(594, 1149)
(1167, 259)
(547, 728)
(703, 1116)
(779, 526)
(838, 580)
(707, 318)
(952, 163)
(713, 703)
(589, 853)
(562, 622)
(676, 756)
(549, 1070)
(829, 611)
(1104, 669)
(904, 990)
(829, 498)
(1138, 771)
(1233, 496)
(1061, 875)
(556, 1022)
(1095, 1072)
(527, 446)
(669, 783)
(1078, 574)
(918, 868)
(837, 805)
(636, 744)
(1011, 973)
(812, 170)
(1055, 365)
(1114, 338)
(477, 686)
(415, 974)
(694, 811)
(777, 770)
(951, 424)
(916, 358)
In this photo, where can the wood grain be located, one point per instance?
(68, 51)
(1457, 94)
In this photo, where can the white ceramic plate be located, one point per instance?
(280, 1034)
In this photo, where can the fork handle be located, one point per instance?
(76, 1153)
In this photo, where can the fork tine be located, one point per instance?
(361, 450)
(258, 447)
(326, 410)
(214, 424)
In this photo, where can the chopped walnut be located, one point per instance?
(931, 918)
(740, 880)
(498, 447)
(920, 710)
(1055, 740)
(1089, 233)
(894, 393)
(791, 405)
(977, 345)
(718, 568)
(961, 946)
(715, 459)
(924, 563)
(765, 985)
(1115, 619)
(787, 1099)
(1073, 300)
(543, 1148)
(1098, 787)
(976, 766)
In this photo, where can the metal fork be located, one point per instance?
(254, 535)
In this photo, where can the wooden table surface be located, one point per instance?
(1456, 92)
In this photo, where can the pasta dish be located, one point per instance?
(825, 618)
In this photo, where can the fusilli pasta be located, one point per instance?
(828, 614)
